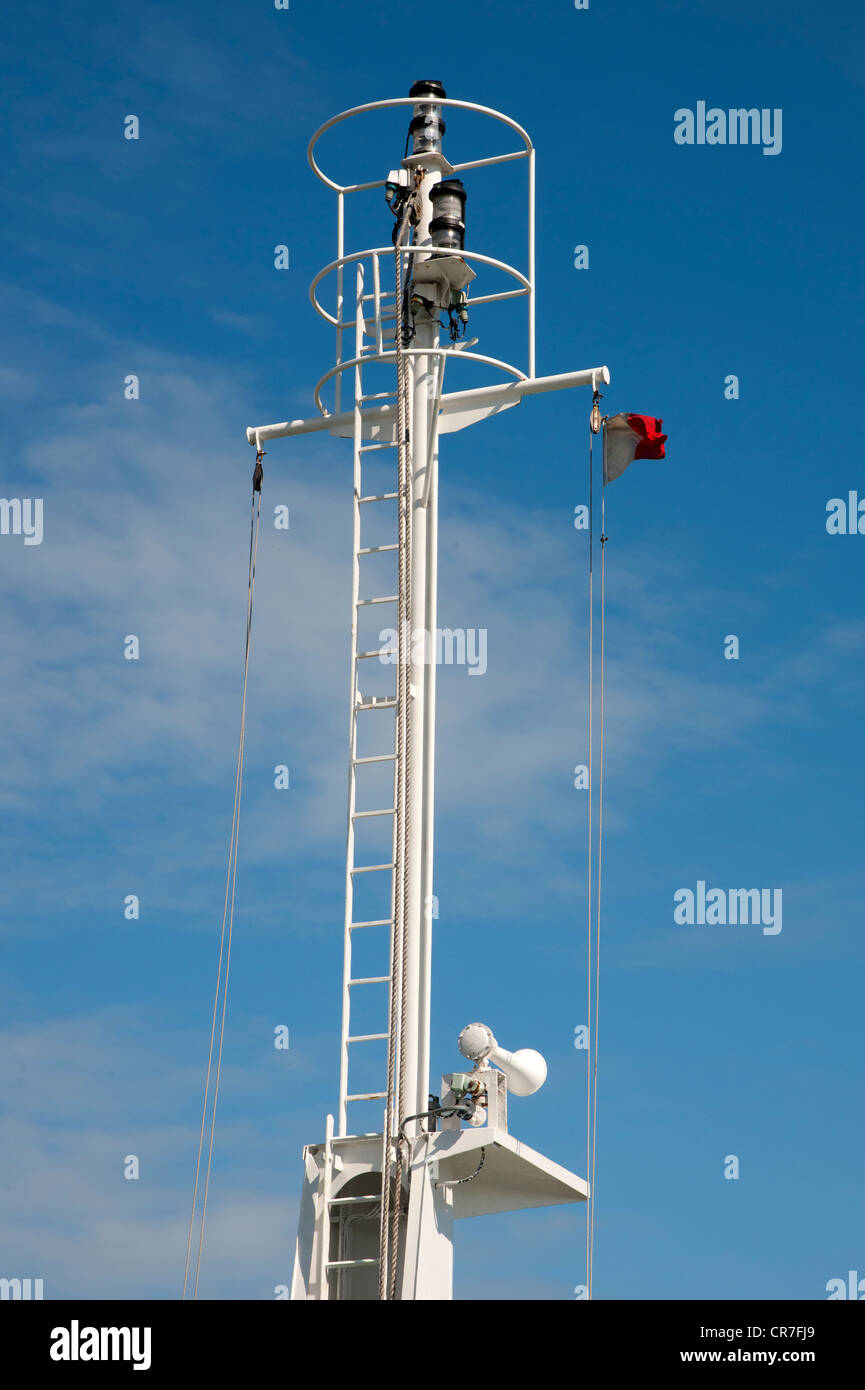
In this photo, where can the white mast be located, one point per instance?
(463, 1162)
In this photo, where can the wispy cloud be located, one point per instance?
(146, 506)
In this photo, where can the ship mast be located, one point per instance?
(378, 1204)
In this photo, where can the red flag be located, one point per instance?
(628, 437)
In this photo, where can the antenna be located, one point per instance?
(378, 1203)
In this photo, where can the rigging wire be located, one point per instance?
(594, 1039)
(227, 914)
(397, 1022)
(405, 715)
(590, 702)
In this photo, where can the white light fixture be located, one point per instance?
(525, 1070)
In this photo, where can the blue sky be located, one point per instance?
(155, 257)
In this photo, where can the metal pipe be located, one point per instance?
(409, 251)
(412, 352)
(340, 244)
(492, 159)
(422, 367)
(456, 400)
(401, 101)
(352, 720)
(532, 263)
(427, 867)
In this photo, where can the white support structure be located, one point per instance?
(337, 1253)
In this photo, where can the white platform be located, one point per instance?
(513, 1177)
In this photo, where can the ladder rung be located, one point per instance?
(371, 449)
(371, 980)
(368, 1037)
(351, 1201)
(386, 598)
(369, 1095)
(379, 922)
(375, 758)
(377, 549)
(349, 1264)
(386, 702)
(364, 815)
(378, 396)
(371, 868)
(381, 496)
(378, 651)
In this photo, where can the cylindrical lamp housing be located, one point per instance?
(427, 127)
(448, 225)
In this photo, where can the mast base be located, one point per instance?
(338, 1228)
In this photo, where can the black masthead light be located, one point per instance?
(448, 225)
(427, 127)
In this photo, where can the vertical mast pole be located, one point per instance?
(423, 372)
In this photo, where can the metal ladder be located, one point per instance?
(367, 707)
(331, 1272)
